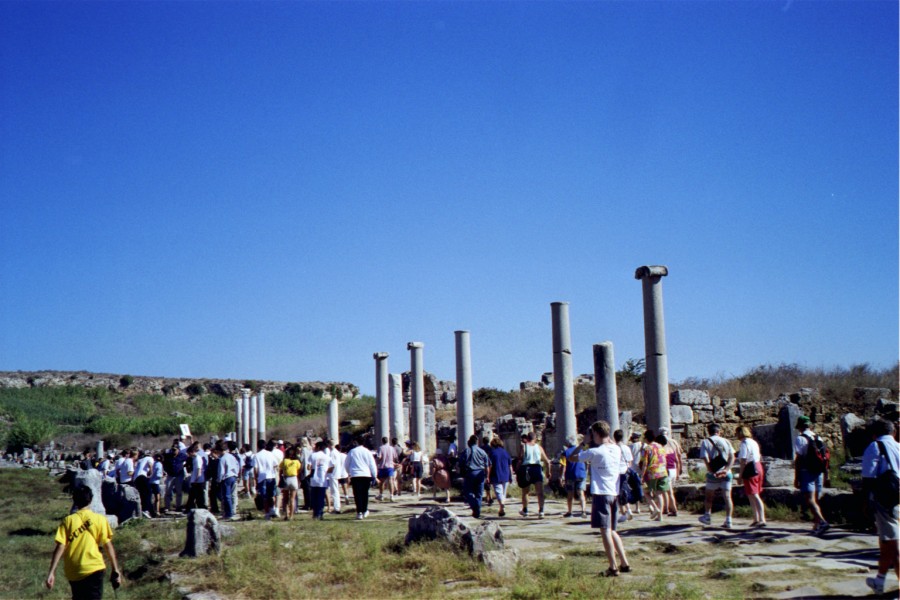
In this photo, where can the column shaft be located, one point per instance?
(261, 415)
(465, 418)
(563, 382)
(254, 425)
(656, 380)
(382, 411)
(605, 384)
(417, 394)
(396, 405)
(333, 430)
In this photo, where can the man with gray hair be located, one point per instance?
(574, 476)
(718, 455)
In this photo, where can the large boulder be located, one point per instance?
(93, 479)
(778, 472)
(853, 431)
(502, 562)
(691, 398)
(486, 537)
(123, 501)
(203, 534)
(680, 413)
(436, 523)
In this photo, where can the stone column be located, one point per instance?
(417, 394)
(333, 429)
(254, 417)
(605, 384)
(656, 386)
(245, 419)
(563, 382)
(398, 428)
(465, 417)
(100, 450)
(261, 415)
(238, 418)
(382, 410)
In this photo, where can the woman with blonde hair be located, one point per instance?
(751, 473)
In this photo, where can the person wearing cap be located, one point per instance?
(809, 483)
(574, 476)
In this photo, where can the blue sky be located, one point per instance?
(278, 190)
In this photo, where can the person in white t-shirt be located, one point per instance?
(605, 461)
(265, 470)
(627, 459)
(338, 478)
(125, 468)
(321, 465)
(751, 474)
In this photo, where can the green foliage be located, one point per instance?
(301, 403)
(125, 381)
(632, 370)
(252, 385)
(26, 432)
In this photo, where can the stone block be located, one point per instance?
(626, 423)
(691, 398)
(751, 411)
(765, 436)
(93, 479)
(123, 501)
(887, 409)
(485, 537)
(718, 414)
(681, 413)
(502, 562)
(203, 534)
(703, 415)
(778, 472)
(436, 523)
(786, 431)
(853, 433)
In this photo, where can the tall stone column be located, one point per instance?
(333, 429)
(605, 384)
(100, 450)
(382, 410)
(398, 430)
(238, 417)
(465, 416)
(261, 415)
(656, 380)
(254, 415)
(417, 394)
(245, 419)
(563, 382)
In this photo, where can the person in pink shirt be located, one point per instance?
(386, 458)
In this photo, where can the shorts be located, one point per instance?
(718, 483)
(574, 484)
(248, 473)
(810, 483)
(89, 587)
(155, 489)
(660, 484)
(673, 474)
(534, 473)
(886, 522)
(344, 480)
(385, 473)
(604, 511)
(290, 483)
(500, 491)
(266, 488)
(754, 485)
(418, 470)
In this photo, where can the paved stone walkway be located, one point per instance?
(783, 560)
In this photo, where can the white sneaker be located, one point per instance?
(727, 524)
(705, 519)
(629, 515)
(541, 515)
(359, 516)
(876, 584)
(366, 515)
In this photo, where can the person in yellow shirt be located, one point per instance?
(79, 539)
(290, 469)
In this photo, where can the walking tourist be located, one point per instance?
(290, 471)
(229, 471)
(574, 476)
(674, 468)
(79, 539)
(718, 456)
(321, 465)
(752, 475)
(626, 488)
(532, 459)
(880, 468)
(440, 473)
(386, 458)
(605, 460)
(474, 462)
(810, 470)
(499, 472)
(155, 484)
(265, 473)
(361, 469)
(655, 474)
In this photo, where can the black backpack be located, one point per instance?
(887, 487)
(717, 462)
(817, 455)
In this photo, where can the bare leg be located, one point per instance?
(609, 547)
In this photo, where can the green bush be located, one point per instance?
(195, 389)
(29, 432)
(125, 381)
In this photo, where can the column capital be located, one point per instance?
(559, 304)
(380, 355)
(651, 271)
(412, 345)
(461, 331)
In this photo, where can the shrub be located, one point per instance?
(125, 381)
(195, 389)
(29, 432)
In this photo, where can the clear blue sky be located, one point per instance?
(278, 190)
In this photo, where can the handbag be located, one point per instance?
(749, 471)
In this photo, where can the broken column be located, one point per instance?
(382, 410)
(261, 415)
(100, 451)
(398, 430)
(656, 378)
(605, 384)
(254, 425)
(465, 418)
(333, 430)
(417, 394)
(238, 414)
(563, 383)
(245, 419)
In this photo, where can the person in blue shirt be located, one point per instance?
(574, 476)
(499, 472)
(881, 460)
(474, 462)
